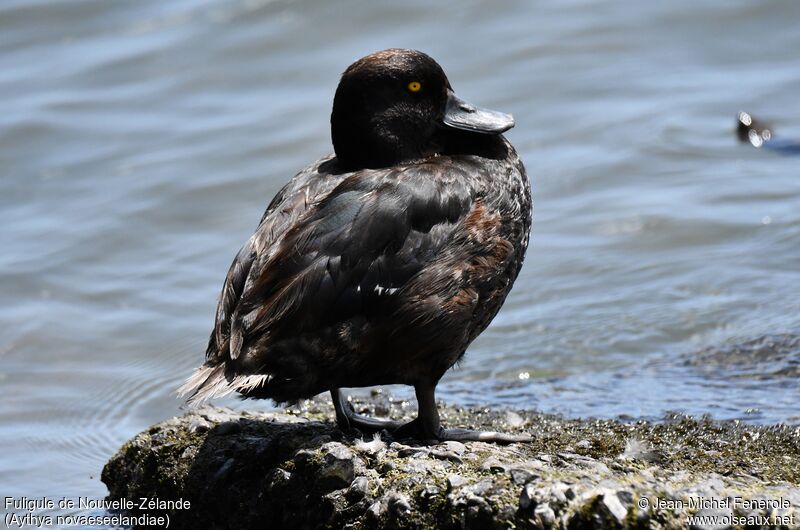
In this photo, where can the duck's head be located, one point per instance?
(394, 105)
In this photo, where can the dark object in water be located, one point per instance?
(382, 264)
(759, 134)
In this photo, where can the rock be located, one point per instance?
(398, 504)
(298, 470)
(521, 476)
(339, 464)
(228, 428)
(494, 465)
(223, 472)
(454, 481)
(376, 510)
(482, 488)
(429, 492)
(558, 493)
(199, 425)
(386, 466)
(545, 514)
(615, 510)
(455, 447)
(359, 488)
(279, 478)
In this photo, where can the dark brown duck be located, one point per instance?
(381, 264)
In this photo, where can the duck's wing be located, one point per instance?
(374, 231)
(286, 208)
(367, 236)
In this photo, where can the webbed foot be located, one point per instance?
(426, 426)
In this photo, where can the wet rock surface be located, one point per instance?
(296, 469)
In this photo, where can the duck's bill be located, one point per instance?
(462, 115)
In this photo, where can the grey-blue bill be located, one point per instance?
(462, 115)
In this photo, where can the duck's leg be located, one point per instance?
(347, 418)
(427, 425)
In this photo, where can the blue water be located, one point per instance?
(141, 141)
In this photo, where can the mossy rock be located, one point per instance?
(296, 469)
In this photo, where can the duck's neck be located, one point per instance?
(379, 142)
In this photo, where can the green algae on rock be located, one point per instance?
(296, 469)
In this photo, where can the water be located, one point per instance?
(141, 142)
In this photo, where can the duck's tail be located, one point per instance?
(205, 382)
(210, 381)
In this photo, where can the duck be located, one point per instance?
(380, 263)
(761, 135)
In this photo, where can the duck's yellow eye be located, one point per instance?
(414, 86)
